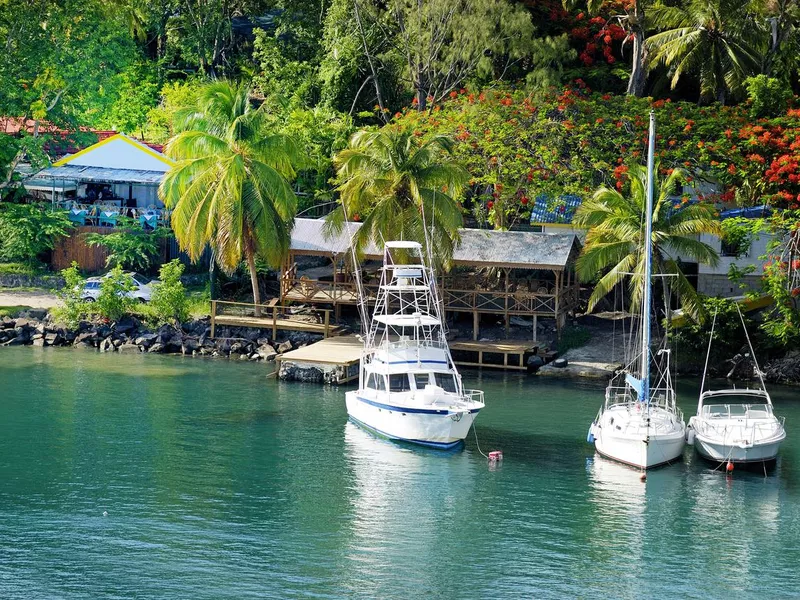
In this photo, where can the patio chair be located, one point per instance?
(77, 216)
(108, 218)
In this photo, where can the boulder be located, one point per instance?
(189, 345)
(39, 342)
(106, 345)
(129, 348)
(157, 347)
(87, 337)
(267, 352)
(53, 339)
(238, 348)
(7, 322)
(38, 314)
(146, 339)
(126, 325)
(285, 347)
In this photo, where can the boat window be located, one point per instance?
(446, 382)
(399, 383)
(421, 379)
(376, 382)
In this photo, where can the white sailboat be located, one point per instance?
(736, 425)
(409, 389)
(639, 424)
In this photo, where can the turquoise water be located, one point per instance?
(218, 482)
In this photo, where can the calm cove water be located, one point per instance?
(144, 476)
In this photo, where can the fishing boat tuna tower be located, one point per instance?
(409, 389)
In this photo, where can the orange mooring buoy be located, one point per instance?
(729, 467)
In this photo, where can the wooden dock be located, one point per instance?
(488, 350)
(276, 318)
(341, 353)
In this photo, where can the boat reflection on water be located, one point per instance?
(408, 504)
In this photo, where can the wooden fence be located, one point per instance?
(75, 248)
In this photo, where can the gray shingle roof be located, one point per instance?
(479, 247)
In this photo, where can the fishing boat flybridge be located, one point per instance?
(409, 389)
(639, 424)
(735, 425)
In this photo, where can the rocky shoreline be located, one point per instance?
(129, 335)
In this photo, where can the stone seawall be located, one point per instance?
(34, 327)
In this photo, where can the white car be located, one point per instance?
(142, 287)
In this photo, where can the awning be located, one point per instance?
(101, 175)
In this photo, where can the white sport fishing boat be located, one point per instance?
(735, 425)
(639, 424)
(409, 388)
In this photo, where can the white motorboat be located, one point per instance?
(640, 425)
(736, 425)
(409, 389)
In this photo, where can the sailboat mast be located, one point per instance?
(648, 263)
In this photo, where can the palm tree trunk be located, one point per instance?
(251, 264)
(638, 77)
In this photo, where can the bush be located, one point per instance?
(74, 309)
(169, 304)
(768, 96)
(130, 246)
(113, 302)
(27, 230)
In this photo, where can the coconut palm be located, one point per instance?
(403, 188)
(614, 242)
(716, 40)
(229, 188)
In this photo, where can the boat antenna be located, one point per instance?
(708, 353)
(648, 262)
(749, 345)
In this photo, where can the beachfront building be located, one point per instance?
(555, 216)
(505, 274)
(117, 172)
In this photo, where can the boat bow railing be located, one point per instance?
(473, 396)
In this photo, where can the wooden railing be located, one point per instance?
(265, 315)
(489, 301)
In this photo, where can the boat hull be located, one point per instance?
(636, 445)
(435, 428)
(718, 451)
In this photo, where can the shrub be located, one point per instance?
(169, 304)
(73, 309)
(768, 96)
(27, 230)
(113, 302)
(130, 246)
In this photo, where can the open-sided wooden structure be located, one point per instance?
(531, 274)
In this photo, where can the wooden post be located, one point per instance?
(475, 324)
(213, 317)
(327, 322)
(535, 328)
(558, 292)
(274, 323)
(505, 305)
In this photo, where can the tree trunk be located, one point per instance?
(422, 98)
(251, 264)
(212, 275)
(638, 77)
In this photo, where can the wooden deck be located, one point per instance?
(510, 348)
(239, 314)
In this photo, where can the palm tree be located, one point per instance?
(615, 226)
(716, 40)
(229, 188)
(403, 188)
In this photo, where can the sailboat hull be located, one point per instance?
(443, 428)
(622, 433)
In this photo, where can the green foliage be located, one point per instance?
(715, 40)
(768, 96)
(278, 75)
(174, 97)
(615, 239)
(230, 185)
(27, 230)
(169, 303)
(729, 337)
(737, 235)
(137, 96)
(113, 302)
(402, 188)
(129, 245)
(549, 55)
(73, 308)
